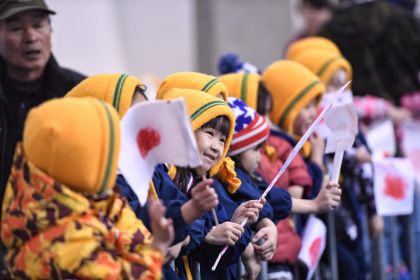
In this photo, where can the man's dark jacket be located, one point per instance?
(16, 99)
(382, 43)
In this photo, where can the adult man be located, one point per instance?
(29, 74)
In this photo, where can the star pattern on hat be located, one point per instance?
(244, 114)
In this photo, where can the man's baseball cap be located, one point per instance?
(10, 8)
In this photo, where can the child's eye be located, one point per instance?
(209, 132)
(223, 140)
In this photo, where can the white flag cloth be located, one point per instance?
(411, 144)
(342, 123)
(381, 139)
(313, 244)
(153, 133)
(394, 183)
(344, 98)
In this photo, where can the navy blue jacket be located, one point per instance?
(278, 199)
(171, 196)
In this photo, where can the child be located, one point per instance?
(123, 91)
(61, 217)
(213, 122)
(193, 80)
(333, 71)
(273, 155)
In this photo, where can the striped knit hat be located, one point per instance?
(202, 108)
(292, 87)
(251, 128)
(324, 64)
(75, 141)
(310, 43)
(114, 89)
(243, 86)
(193, 80)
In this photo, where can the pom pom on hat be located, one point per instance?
(310, 43)
(193, 80)
(230, 63)
(251, 129)
(76, 141)
(115, 89)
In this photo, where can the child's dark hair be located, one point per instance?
(140, 89)
(263, 97)
(220, 123)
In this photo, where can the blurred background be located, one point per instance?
(160, 37)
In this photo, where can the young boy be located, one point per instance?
(61, 215)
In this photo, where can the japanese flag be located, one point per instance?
(153, 133)
(394, 186)
(313, 244)
(411, 144)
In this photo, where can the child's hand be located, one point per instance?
(268, 236)
(363, 155)
(399, 115)
(162, 228)
(227, 233)
(328, 198)
(174, 250)
(317, 150)
(251, 263)
(204, 197)
(250, 209)
(376, 226)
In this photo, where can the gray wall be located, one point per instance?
(160, 37)
(255, 29)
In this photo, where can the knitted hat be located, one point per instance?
(202, 108)
(76, 141)
(292, 87)
(310, 43)
(230, 63)
(251, 128)
(193, 80)
(243, 86)
(324, 63)
(114, 89)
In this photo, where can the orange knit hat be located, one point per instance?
(202, 108)
(292, 87)
(310, 43)
(324, 63)
(243, 86)
(193, 80)
(114, 89)
(75, 141)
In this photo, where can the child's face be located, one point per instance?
(250, 159)
(338, 79)
(211, 143)
(305, 118)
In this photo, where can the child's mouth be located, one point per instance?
(210, 157)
